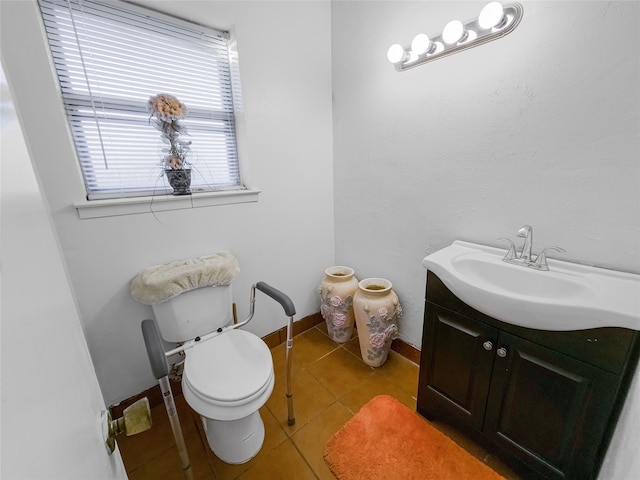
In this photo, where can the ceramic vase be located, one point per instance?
(377, 309)
(180, 180)
(336, 301)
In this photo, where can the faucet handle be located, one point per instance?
(511, 253)
(541, 259)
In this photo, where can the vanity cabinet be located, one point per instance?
(545, 402)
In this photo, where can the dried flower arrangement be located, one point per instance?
(166, 112)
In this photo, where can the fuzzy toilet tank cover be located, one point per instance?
(160, 283)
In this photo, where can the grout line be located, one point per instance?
(317, 327)
(325, 355)
(359, 357)
(304, 459)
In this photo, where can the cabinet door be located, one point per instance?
(455, 368)
(548, 409)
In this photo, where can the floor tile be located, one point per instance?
(339, 371)
(283, 462)
(311, 346)
(312, 438)
(375, 384)
(310, 398)
(353, 346)
(401, 372)
(166, 467)
(280, 359)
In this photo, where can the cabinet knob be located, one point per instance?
(502, 352)
(487, 345)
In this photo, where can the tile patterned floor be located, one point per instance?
(330, 384)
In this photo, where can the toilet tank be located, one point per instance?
(194, 313)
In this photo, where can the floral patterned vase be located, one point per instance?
(377, 309)
(336, 302)
(180, 180)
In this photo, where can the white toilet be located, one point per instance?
(227, 378)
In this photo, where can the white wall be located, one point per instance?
(285, 239)
(539, 127)
(51, 401)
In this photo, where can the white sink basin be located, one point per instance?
(569, 296)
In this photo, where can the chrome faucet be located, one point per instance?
(541, 260)
(526, 232)
(526, 258)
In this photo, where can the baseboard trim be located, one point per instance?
(272, 340)
(406, 350)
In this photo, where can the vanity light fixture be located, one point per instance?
(492, 15)
(454, 32)
(421, 44)
(495, 21)
(396, 53)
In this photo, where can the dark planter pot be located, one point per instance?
(180, 181)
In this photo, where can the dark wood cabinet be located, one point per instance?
(456, 379)
(545, 402)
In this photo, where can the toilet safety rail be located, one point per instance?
(160, 368)
(274, 293)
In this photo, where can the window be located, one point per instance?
(110, 59)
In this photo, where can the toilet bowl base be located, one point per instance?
(235, 441)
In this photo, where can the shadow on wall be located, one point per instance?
(106, 326)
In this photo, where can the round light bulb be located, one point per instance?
(453, 32)
(491, 15)
(396, 53)
(420, 44)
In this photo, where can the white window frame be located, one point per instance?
(123, 200)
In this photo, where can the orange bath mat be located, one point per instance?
(387, 441)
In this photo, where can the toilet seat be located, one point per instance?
(228, 375)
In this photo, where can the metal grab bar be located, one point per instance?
(290, 311)
(277, 295)
(160, 369)
(158, 360)
(191, 343)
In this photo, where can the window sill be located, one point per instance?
(162, 203)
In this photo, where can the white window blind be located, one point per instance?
(110, 59)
